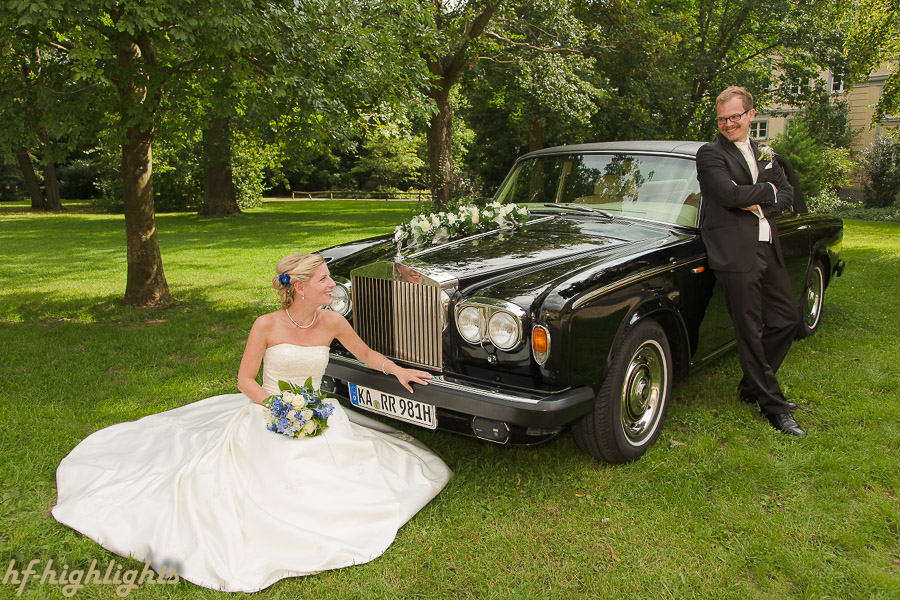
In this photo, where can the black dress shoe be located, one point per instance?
(785, 423)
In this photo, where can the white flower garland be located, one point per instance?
(437, 228)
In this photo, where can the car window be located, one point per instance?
(659, 188)
(534, 181)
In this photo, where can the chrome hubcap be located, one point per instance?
(642, 390)
(814, 294)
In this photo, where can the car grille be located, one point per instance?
(399, 319)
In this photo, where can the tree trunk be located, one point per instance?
(440, 152)
(447, 72)
(31, 180)
(145, 281)
(51, 185)
(218, 184)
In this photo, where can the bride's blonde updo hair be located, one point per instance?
(293, 268)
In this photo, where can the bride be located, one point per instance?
(207, 490)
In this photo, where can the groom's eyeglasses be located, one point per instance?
(733, 118)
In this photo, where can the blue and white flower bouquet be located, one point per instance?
(299, 411)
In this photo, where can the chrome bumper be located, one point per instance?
(533, 408)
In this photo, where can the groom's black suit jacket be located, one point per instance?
(726, 185)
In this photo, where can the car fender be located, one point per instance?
(593, 339)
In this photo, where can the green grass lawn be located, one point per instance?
(721, 507)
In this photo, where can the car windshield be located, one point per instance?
(659, 188)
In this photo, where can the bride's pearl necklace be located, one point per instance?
(315, 314)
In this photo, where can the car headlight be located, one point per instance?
(470, 322)
(504, 330)
(482, 319)
(340, 299)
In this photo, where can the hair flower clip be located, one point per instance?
(284, 279)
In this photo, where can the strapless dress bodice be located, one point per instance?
(294, 364)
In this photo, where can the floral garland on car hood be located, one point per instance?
(437, 228)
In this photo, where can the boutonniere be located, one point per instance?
(766, 153)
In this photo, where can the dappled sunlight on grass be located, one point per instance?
(721, 507)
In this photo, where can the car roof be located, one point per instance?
(668, 146)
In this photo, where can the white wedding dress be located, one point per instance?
(208, 490)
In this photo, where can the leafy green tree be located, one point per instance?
(44, 114)
(745, 42)
(881, 169)
(147, 56)
(458, 27)
(534, 84)
(874, 39)
(386, 162)
(664, 63)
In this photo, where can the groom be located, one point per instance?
(742, 192)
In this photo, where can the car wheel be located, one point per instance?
(813, 300)
(631, 406)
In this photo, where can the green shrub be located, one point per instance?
(881, 172)
(839, 166)
(826, 203)
(78, 179)
(806, 154)
(858, 212)
(390, 162)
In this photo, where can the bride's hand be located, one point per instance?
(409, 376)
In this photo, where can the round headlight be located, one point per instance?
(340, 299)
(471, 324)
(503, 329)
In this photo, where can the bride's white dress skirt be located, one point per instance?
(208, 490)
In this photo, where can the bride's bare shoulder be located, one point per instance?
(266, 322)
(331, 318)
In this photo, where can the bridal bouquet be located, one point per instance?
(299, 411)
(437, 228)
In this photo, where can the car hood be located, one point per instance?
(558, 243)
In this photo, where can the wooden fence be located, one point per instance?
(417, 195)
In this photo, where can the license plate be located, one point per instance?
(411, 411)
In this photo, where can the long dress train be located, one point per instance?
(208, 490)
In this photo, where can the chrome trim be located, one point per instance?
(488, 307)
(397, 311)
(631, 279)
(344, 283)
(440, 383)
(547, 353)
(642, 395)
(482, 324)
(518, 330)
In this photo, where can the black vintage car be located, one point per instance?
(581, 317)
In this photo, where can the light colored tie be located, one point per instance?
(765, 232)
(747, 151)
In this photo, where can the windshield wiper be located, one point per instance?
(580, 208)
